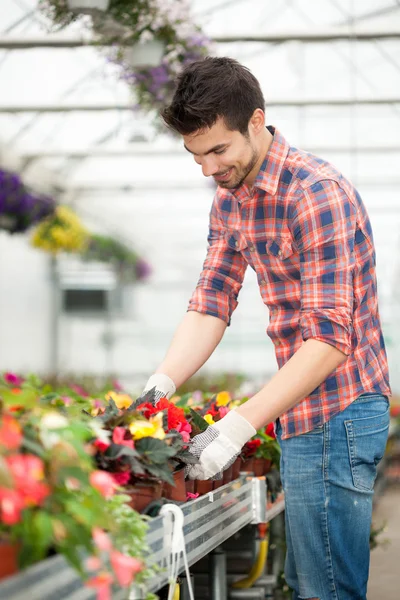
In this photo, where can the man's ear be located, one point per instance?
(257, 121)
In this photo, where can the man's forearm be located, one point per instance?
(193, 343)
(304, 372)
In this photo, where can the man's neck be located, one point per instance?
(265, 145)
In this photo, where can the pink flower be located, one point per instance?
(101, 540)
(190, 496)
(13, 379)
(93, 563)
(78, 389)
(184, 429)
(223, 410)
(119, 437)
(67, 400)
(102, 583)
(11, 505)
(121, 478)
(103, 482)
(117, 386)
(125, 567)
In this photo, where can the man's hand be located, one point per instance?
(158, 386)
(218, 446)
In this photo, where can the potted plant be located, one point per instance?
(20, 208)
(61, 232)
(52, 496)
(146, 446)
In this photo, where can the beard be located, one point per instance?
(239, 174)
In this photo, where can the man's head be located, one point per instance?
(218, 108)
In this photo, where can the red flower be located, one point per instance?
(213, 410)
(270, 430)
(121, 478)
(175, 414)
(101, 446)
(102, 583)
(118, 437)
(27, 471)
(251, 447)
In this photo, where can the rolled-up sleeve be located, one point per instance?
(222, 276)
(323, 222)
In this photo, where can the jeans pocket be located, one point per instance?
(366, 440)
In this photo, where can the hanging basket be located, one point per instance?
(87, 6)
(148, 54)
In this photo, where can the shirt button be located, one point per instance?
(280, 253)
(251, 248)
(236, 243)
(263, 281)
(277, 343)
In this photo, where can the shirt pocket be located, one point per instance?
(279, 248)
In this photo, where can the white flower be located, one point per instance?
(53, 420)
(101, 434)
(146, 36)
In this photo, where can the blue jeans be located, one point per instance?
(328, 476)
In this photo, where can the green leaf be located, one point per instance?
(155, 450)
(183, 400)
(198, 420)
(26, 398)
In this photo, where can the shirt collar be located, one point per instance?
(270, 170)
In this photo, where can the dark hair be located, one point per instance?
(212, 88)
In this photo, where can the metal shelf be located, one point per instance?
(208, 522)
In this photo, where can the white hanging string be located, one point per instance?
(174, 542)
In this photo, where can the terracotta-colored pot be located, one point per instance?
(236, 467)
(258, 464)
(176, 492)
(248, 465)
(189, 486)
(8, 559)
(267, 465)
(227, 475)
(142, 494)
(217, 483)
(203, 486)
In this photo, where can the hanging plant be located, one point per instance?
(62, 232)
(151, 41)
(109, 250)
(20, 208)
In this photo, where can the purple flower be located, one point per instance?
(143, 269)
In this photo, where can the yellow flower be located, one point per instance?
(152, 428)
(121, 400)
(209, 419)
(223, 398)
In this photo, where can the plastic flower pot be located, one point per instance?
(8, 559)
(267, 465)
(189, 486)
(236, 468)
(227, 475)
(176, 492)
(148, 54)
(248, 465)
(203, 486)
(258, 465)
(142, 494)
(83, 6)
(217, 483)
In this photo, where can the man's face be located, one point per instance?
(226, 155)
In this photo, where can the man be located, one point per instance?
(304, 230)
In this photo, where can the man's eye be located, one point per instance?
(220, 151)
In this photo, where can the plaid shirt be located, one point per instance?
(305, 231)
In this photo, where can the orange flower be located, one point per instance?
(10, 433)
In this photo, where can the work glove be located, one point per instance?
(218, 446)
(158, 386)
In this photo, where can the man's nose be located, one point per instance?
(209, 167)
